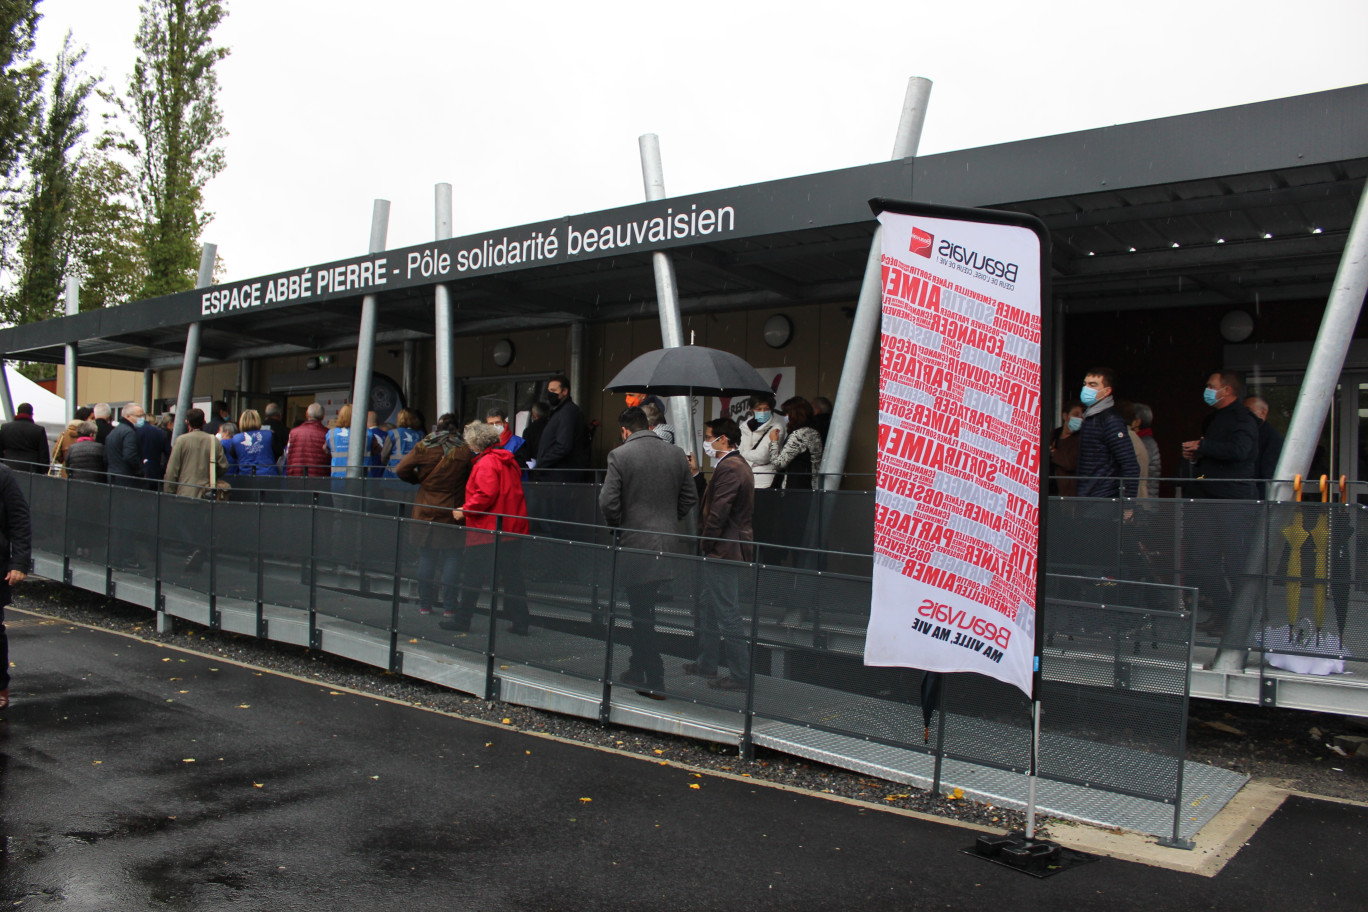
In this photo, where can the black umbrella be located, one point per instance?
(690, 370)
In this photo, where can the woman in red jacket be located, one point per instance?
(493, 490)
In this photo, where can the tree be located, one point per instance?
(45, 209)
(20, 80)
(177, 127)
(106, 234)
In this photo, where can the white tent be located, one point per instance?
(49, 409)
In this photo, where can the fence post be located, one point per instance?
(605, 704)
(261, 627)
(940, 734)
(315, 635)
(747, 744)
(396, 661)
(214, 620)
(490, 692)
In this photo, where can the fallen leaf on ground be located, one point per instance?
(585, 800)
(188, 760)
(694, 785)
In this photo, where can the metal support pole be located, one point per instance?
(409, 371)
(149, 376)
(244, 384)
(864, 333)
(1308, 416)
(1031, 781)
(192, 346)
(365, 351)
(446, 386)
(667, 290)
(6, 402)
(577, 360)
(1327, 357)
(73, 306)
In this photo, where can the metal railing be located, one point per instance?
(297, 564)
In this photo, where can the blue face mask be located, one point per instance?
(1075, 424)
(1209, 396)
(140, 422)
(761, 417)
(1088, 396)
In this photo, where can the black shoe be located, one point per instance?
(456, 624)
(521, 630)
(727, 683)
(632, 676)
(691, 668)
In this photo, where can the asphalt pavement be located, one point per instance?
(135, 776)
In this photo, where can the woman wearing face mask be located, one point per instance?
(1064, 452)
(755, 439)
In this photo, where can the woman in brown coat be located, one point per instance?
(440, 466)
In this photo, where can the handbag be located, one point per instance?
(218, 488)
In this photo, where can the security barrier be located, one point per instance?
(346, 571)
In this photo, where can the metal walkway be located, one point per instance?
(561, 671)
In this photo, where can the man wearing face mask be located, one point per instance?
(755, 439)
(727, 533)
(121, 449)
(1229, 446)
(564, 443)
(507, 439)
(647, 493)
(1105, 453)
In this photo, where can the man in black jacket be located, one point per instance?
(24, 444)
(564, 443)
(15, 549)
(122, 455)
(1224, 462)
(1229, 446)
(1270, 439)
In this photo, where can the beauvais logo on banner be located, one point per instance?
(957, 515)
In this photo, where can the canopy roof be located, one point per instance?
(1228, 207)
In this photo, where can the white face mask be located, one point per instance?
(498, 427)
(709, 450)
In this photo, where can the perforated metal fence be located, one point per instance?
(348, 572)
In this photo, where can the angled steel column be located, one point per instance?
(864, 333)
(6, 403)
(365, 351)
(192, 346)
(1308, 416)
(442, 363)
(667, 290)
(73, 306)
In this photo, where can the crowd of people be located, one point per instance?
(1105, 446)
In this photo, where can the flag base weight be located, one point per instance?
(1039, 858)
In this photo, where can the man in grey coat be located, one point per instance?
(647, 493)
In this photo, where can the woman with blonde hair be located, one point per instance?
(401, 441)
(250, 451)
(339, 440)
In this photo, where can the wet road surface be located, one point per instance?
(134, 776)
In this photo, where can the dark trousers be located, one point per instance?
(645, 641)
(4, 638)
(721, 617)
(478, 572)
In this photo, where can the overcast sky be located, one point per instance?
(531, 110)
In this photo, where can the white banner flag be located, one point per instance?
(958, 494)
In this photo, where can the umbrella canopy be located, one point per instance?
(689, 370)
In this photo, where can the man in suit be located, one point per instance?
(647, 493)
(727, 532)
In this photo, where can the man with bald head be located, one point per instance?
(1270, 440)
